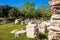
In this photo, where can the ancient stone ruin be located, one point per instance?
(31, 31)
(54, 32)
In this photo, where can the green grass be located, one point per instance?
(7, 28)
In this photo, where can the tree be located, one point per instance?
(28, 9)
(41, 11)
(48, 13)
(4, 10)
(14, 12)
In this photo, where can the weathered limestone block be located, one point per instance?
(18, 21)
(42, 28)
(19, 33)
(53, 35)
(55, 28)
(55, 19)
(31, 30)
(55, 16)
(54, 2)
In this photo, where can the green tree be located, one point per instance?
(41, 11)
(4, 10)
(28, 9)
(48, 13)
(13, 12)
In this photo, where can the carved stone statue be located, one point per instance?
(54, 32)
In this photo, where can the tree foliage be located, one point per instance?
(41, 11)
(48, 13)
(4, 10)
(14, 12)
(28, 9)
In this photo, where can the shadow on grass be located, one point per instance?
(42, 37)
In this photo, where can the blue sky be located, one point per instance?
(18, 3)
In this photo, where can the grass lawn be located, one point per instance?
(7, 28)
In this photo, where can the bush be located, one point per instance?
(2, 21)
